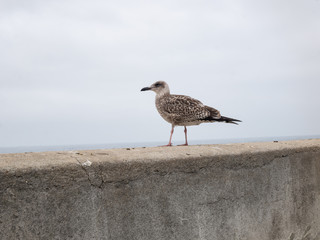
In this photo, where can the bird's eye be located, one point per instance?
(157, 85)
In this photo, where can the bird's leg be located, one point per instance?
(170, 144)
(185, 134)
(172, 129)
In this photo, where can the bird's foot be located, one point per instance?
(186, 144)
(168, 145)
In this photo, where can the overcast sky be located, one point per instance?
(71, 71)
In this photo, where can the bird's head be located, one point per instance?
(160, 88)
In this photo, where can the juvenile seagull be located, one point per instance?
(180, 110)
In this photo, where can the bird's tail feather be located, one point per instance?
(222, 119)
(228, 120)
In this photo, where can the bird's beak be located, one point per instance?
(145, 89)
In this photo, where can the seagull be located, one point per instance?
(181, 110)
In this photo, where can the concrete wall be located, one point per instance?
(257, 191)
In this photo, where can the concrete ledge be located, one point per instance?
(232, 191)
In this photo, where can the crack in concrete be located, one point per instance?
(83, 168)
(227, 199)
(88, 174)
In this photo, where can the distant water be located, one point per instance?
(144, 144)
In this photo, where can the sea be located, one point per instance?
(23, 149)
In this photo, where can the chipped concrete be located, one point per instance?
(232, 191)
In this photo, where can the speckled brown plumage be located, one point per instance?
(180, 110)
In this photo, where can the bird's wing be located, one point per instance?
(214, 113)
(184, 107)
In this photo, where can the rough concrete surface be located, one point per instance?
(258, 191)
